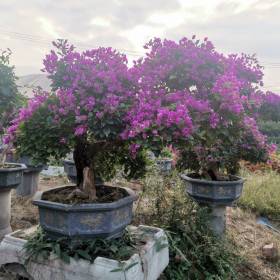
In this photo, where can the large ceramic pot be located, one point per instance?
(105, 220)
(10, 178)
(29, 184)
(30, 181)
(222, 193)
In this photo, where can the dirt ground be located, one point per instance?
(248, 237)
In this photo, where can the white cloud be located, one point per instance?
(100, 21)
(48, 27)
(167, 20)
(250, 26)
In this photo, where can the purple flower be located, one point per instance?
(80, 130)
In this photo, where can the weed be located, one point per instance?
(40, 246)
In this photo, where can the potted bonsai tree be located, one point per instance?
(10, 174)
(203, 103)
(86, 112)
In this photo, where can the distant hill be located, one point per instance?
(28, 82)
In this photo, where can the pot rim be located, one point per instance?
(69, 161)
(208, 182)
(33, 169)
(20, 167)
(85, 207)
(164, 160)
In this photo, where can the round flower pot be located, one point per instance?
(10, 178)
(213, 192)
(216, 196)
(70, 170)
(164, 165)
(82, 221)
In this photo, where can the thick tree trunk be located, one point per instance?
(212, 174)
(83, 159)
(88, 185)
(80, 159)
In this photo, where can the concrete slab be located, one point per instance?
(150, 261)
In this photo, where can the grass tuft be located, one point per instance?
(261, 192)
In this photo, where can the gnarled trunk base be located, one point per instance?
(88, 185)
(83, 159)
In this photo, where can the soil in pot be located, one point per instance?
(105, 194)
(219, 178)
(5, 166)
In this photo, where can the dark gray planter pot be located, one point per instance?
(164, 165)
(9, 178)
(30, 181)
(82, 221)
(216, 196)
(70, 170)
(213, 192)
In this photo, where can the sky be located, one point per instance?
(234, 26)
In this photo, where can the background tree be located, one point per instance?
(10, 98)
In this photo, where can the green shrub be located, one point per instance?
(272, 130)
(10, 98)
(194, 252)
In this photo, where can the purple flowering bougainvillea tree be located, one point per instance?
(86, 111)
(202, 102)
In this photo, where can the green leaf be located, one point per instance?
(65, 257)
(160, 247)
(84, 254)
(57, 250)
(130, 266)
(117, 270)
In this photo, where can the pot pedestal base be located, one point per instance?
(5, 212)
(147, 263)
(5, 231)
(217, 221)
